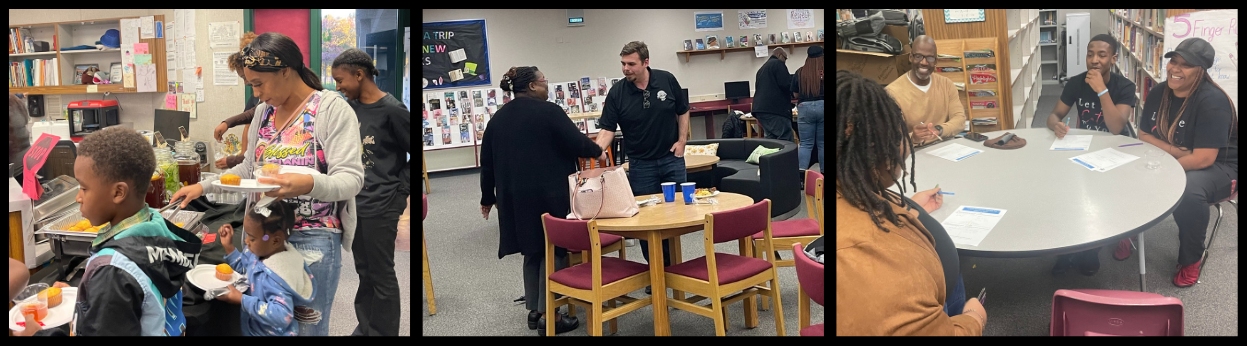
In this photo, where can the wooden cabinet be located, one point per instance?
(60, 35)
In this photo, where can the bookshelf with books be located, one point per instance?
(722, 52)
(57, 67)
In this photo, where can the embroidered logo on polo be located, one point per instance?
(662, 95)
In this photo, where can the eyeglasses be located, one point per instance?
(930, 59)
(540, 80)
(646, 99)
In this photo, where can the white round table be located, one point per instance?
(1054, 206)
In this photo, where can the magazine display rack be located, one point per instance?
(976, 75)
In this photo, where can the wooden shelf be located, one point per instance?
(722, 52)
(76, 33)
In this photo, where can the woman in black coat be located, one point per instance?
(528, 150)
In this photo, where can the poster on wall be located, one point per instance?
(1219, 28)
(455, 54)
(708, 20)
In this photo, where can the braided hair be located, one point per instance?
(878, 126)
(516, 80)
(1166, 123)
(355, 60)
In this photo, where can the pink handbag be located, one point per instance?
(601, 193)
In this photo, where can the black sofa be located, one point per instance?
(780, 179)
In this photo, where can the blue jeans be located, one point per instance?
(646, 178)
(956, 301)
(810, 127)
(322, 251)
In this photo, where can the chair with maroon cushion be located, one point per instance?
(810, 278)
(424, 247)
(719, 276)
(610, 243)
(790, 232)
(1091, 312)
(590, 284)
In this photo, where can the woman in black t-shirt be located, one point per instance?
(1191, 118)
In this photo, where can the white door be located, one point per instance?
(1077, 34)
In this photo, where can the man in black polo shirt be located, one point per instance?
(654, 117)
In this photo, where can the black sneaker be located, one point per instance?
(564, 324)
(1063, 263)
(1089, 264)
(533, 318)
(648, 289)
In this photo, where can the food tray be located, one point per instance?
(60, 227)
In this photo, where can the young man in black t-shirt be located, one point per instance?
(1105, 101)
(1191, 118)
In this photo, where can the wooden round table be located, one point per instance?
(695, 163)
(668, 220)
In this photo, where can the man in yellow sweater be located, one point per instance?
(930, 102)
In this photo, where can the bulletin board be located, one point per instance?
(455, 54)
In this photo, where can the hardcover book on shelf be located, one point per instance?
(796, 36)
(688, 44)
(727, 41)
(712, 41)
(757, 40)
(820, 34)
(744, 41)
(772, 40)
(809, 36)
(784, 37)
(700, 45)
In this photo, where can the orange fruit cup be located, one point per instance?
(39, 309)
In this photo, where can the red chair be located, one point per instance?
(810, 276)
(588, 285)
(790, 232)
(424, 247)
(718, 276)
(1231, 199)
(1088, 312)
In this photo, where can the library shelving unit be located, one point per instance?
(75, 33)
(1024, 26)
(1049, 48)
(958, 48)
(722, 52)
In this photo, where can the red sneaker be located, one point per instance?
(1187, 275)
(1123, 250)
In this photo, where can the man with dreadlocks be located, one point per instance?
(894, 263)
(1192, 118)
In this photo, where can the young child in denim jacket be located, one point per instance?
(279, 279)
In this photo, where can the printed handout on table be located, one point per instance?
(1072, 142)
(1103, 160)
(954, 152)
(968, 225)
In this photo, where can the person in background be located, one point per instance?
(772, 104)
(527, 153)
(299, 123)
(1105, 100)
(651, 110)
(894, 263)
(1193, 119)
(244, 118)
(385, 127)
(930, 101)
(807, 86)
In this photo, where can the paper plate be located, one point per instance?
(246, 185)
(291, 169)
(204, 277)
(716, 193)
(57, 316)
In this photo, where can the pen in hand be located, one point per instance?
(983, 296)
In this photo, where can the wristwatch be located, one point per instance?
(939, 130)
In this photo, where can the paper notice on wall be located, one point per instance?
(186, 50)
(186, 103)
(170, 39)
(129, 31)
(185, 19)
(146, 76)
(800, 18)
(221, 74)
(141, 48)
(224, 34)
(189, 80)
(171, 101)
(147, 27)
(199, 79)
